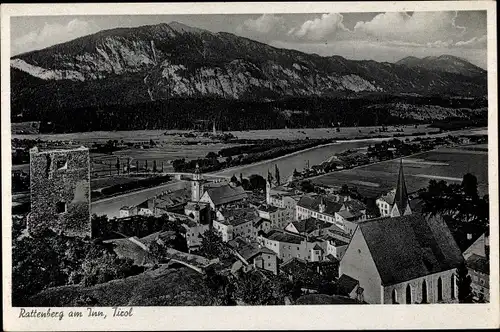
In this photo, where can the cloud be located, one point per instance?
(420, 27)
(320, 28)
(265, 24)
(475, 42)
(52, 34)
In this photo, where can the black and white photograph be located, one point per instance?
(280, 159)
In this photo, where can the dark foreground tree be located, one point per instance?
(464, 284)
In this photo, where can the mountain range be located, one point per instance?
(169, 75)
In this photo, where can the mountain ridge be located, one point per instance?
(162, 61)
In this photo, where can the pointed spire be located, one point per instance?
(401, 196)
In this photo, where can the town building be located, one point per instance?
(223, 195)
(200, 212)
(170, 201)
(60, 191)
(253, 253)
(193, 229)
(262, 226)
(279, 217)
(405, 259)
(479, 271)
(317, 206)
(342, 211)
(396, 202)
(289, 245)
(307, 227)
(477, 258)
(236, 220)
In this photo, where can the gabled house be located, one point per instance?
(407, 259)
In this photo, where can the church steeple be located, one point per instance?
(401, 200)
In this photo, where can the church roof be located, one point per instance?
(401, 195)
(226, 194)
(408, 247)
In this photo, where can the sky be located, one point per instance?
(388, 36)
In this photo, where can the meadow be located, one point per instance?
(448, 164)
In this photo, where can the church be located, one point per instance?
(402, 257)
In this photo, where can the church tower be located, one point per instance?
(196, 185)
(268, 187)
(401, 205)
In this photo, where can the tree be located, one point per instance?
(254, 289)
(295, 173)
(211, 155)
(118, 165)
(220, 289)
(257, 182)
(344, 190)
(469, 186)
(306, 186)
(464, 284)
(277, 175)
(212, 246)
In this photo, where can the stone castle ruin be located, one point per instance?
(60, 191)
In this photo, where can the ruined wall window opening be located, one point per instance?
(62, 164)
(61, 207)
(48, 166)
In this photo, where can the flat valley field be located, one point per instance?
(170, 136)
(344, 133)
(448, 164)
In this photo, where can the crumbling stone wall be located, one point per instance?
(60, 191)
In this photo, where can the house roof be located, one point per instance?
(292, 264)
(409, 247)
(478, 263)
(346, 284)
(309, 225)
(280, 236)
(317, 247)
(349, 215)
(354, 205)
(389, 197)
(196, 206)
(226, 194)
(237, 216)
(313, 202)
(171, 199)
(260, 221)
(249, 250)
(268, 208)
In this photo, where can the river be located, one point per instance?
(286, 165)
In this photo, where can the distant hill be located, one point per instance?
(444, 63)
